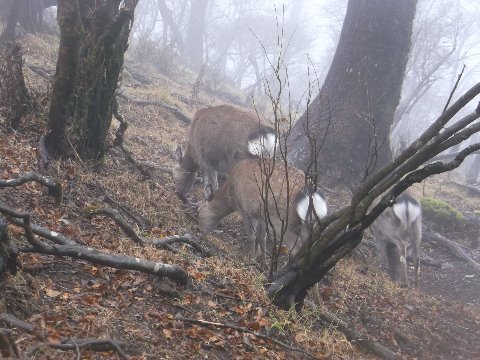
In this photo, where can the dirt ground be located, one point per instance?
(71, 298)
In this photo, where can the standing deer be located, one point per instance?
(265, 195)
(219, 137)
(396, 228)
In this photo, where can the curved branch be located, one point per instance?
(54, 187)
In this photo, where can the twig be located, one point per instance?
(13, 321)
(454, 88)
(246, 330)
(54, 187)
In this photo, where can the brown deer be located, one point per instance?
(265, 194)
(396, 228)
(219, 137)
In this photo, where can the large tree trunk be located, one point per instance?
(195, 33)
(168, 20)
(91, 54)
(64, 80)
(351, 117)
(101, 61)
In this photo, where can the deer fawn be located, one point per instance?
(265, 195)
(219, 137)
(394, 229)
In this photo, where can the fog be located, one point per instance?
(284, 50)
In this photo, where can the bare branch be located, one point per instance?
(54, 187)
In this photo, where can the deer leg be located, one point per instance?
(381, 252)
(260, 242)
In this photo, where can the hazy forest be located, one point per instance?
(225, 179)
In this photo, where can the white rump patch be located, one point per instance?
(264, 145)
(319, 205)
(406, 212)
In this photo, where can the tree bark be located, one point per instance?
(93, 41)
(64, 79)
(349, 121)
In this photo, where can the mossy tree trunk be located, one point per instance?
(90, 61)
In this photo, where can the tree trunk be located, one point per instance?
(14, 95)
(64, 79)
(12, 10)
(101, 61)
(91, 54)
(349, 121)
(195, 34)
(167, 18)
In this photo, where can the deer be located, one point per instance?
(396, 228)
(265, 194)
(217, 139)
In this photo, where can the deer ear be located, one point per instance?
(208, 192)
(177, 153)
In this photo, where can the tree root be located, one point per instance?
(54, 187)
(245, 330)
(73, 250)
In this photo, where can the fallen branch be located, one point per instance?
(245, 330)
(77, 344)
(163, 243)
(54, 187)
(451, 246)
(13, 321)
(119, 220)
(174, 110)
(353, 336)
(93, 256)
(44, 73)
(185, 239)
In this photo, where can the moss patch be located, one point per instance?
(441, 213)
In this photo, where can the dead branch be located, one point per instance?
(244, 330)
(13, 321)
(354, 336)
(119, 220)
(54, 187)
(44, 73)
(163, 243)
(8, 250)
(77, 344)
(174, 110)
(135, 217)
(94, 256)
(185, 239)
(451, 246)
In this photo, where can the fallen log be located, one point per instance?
(451, 246)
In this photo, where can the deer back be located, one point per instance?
(256, 188)
(222, 135)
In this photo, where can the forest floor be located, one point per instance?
(440, 319)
